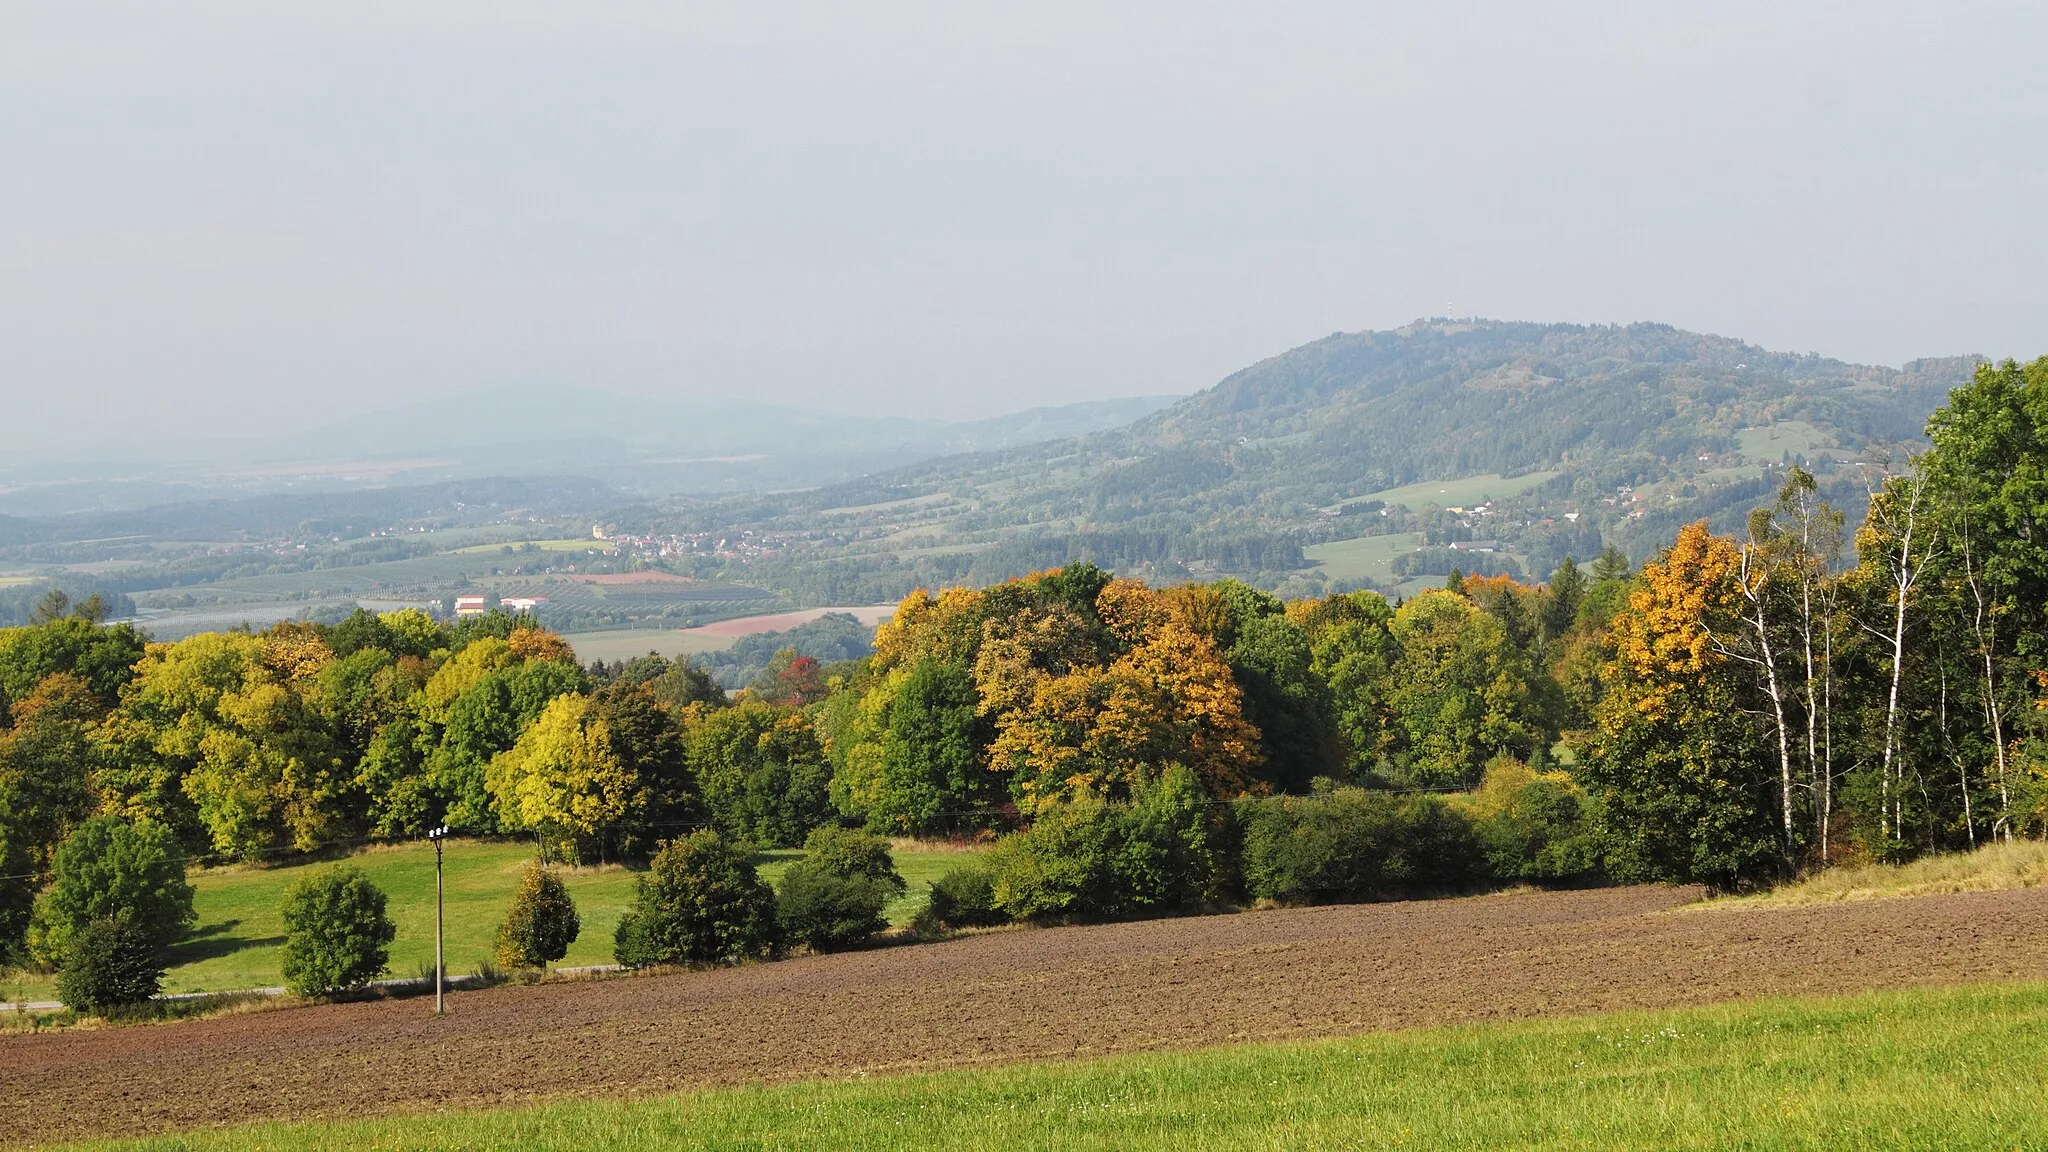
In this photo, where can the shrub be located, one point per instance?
(109, 963)
(834, 897)
(541, 923)
(1533, 826)
(1351, 844)
(337, 936)
(109, 869)
(1091, 859)
(963, 898)
(701, 902)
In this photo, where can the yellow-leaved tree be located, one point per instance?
(562, 780)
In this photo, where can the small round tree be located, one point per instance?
(701, 902)
(835, 896)
(542, 922)
(109, 963)
(337, 936)
(109, 869)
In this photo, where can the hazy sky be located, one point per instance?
(239, 216)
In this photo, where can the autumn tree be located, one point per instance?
(1677, 760)
(562, 780)
(1100, 730)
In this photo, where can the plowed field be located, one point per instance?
(1010, 996)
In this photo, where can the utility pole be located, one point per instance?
(440, 968)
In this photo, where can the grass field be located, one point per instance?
(240, 928)
(1366, 558)
(585, 544)
(1458, 493)
(1952, 1068)
(1768, 444)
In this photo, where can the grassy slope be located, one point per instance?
(1368, 557)
(1956, 1068)
(240, 928)
(1992, 868)
(1458, 493)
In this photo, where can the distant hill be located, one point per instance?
(1629, 429)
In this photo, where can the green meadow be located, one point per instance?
(1953, 1068)
(240, 931)
(1458, 493)
(1367, 557)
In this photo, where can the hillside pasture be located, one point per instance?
(1365, 558)
(1925, 1069)
(1462, 493)
(1769, 443)
(1079, 992)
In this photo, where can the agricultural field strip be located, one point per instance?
(1927, 1068)
(1014, 996)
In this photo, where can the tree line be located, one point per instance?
(1743, 708)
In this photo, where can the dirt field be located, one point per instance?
(1010, 996)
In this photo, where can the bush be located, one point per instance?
(1351, 844)
(964, 897)
(1091, 859)
(109, 869)
(834, 897)
(109, 963)
(1533, 826)
(542, 922)
(337, 936)
(701, 902)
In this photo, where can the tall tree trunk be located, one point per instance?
(1984, 622)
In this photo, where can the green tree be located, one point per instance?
(111, 869)
(110, 963)
(1567, 591)
(701, 902)
(1274, 666)
(1459, 690)
(1099, 860)
(1352, 650)
(932, 777)
(337, 934)
(835, 896)
(541, 923)
(44, 789)
(764, 777)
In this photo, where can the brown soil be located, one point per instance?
(1010, 996)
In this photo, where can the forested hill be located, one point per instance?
(1435, 401)
(1571, 437)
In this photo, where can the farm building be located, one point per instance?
(472, 605)
(522, 603)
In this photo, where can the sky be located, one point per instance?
(237, 218)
